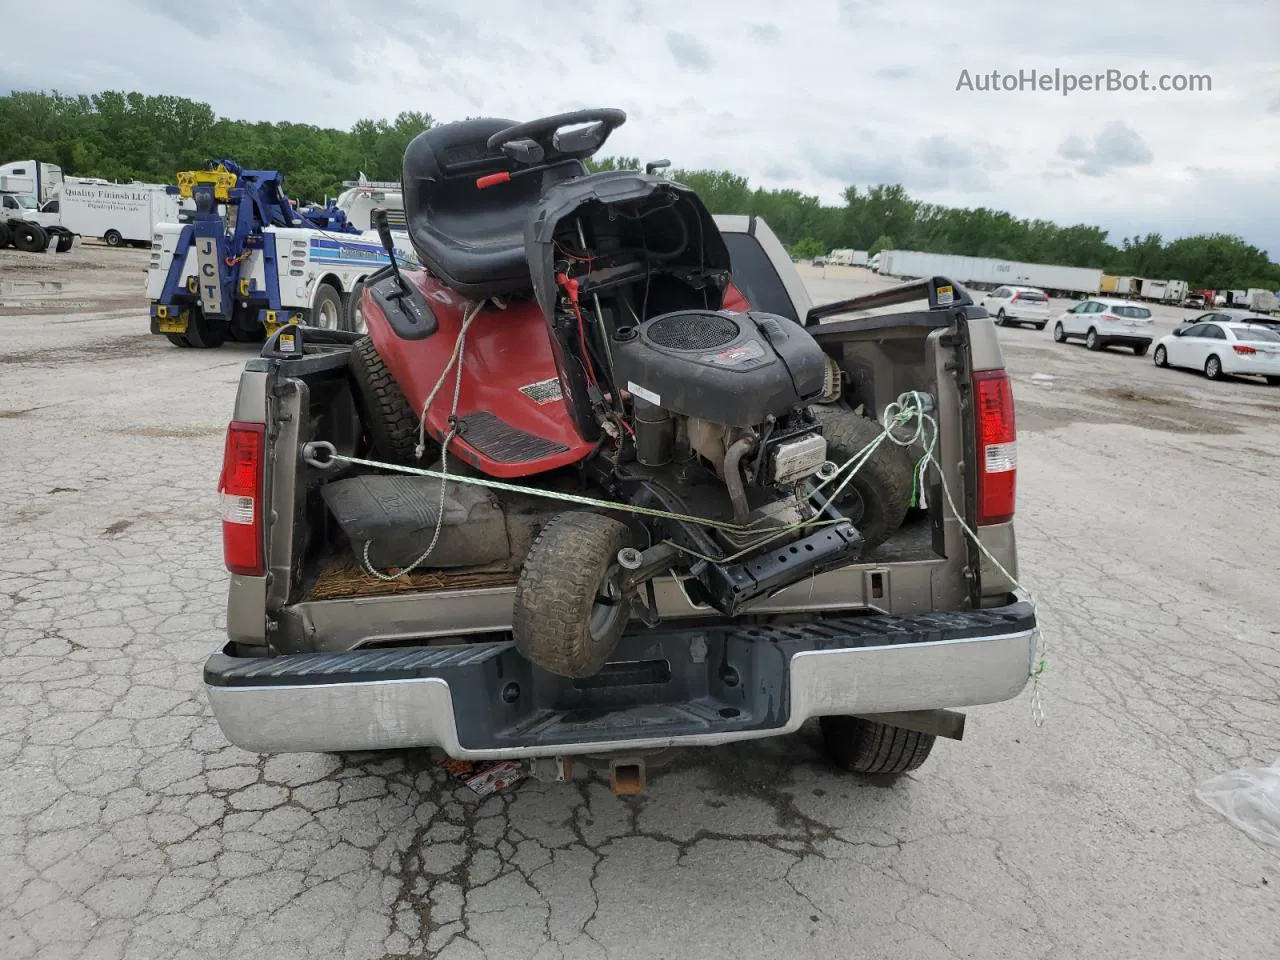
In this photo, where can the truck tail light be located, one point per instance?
(1244, 351)
(241, 490)
(997, 447)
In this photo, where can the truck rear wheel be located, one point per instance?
(569, 611)
(856, 745)
(391, 422)
(326, 313)
(877, 497)
(113, 238)
(355, 313)
(29, 237)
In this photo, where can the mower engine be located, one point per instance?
(730, 390)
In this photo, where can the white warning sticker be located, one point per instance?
(544, 391)
(638, 391)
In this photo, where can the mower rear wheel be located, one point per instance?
(391, 422)
(877, 498)
(569, 611)
(178, 339)
(4, 235)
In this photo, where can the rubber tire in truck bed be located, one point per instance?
(884, 484)
(390, 421)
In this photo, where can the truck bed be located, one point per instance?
(339, 575)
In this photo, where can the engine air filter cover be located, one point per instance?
(682, 331)
(730, 368)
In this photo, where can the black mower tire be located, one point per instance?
(66, 240)
(856, 745)
(558, 621)
(178, 339)
(4, 235)
(391, 422)
(28, 237)
(885, 482)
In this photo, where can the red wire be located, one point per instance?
(571, 290)
(582, 337)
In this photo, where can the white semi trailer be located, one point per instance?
(988, 272)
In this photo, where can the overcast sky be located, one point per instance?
(836, 92)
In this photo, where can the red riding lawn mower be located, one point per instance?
(593, 395)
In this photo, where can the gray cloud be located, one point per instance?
(851, 13)
(688, 51)
(940, 152)
(599, 50)
(766, 33)
(895, 73)
(863, 168)
(1117, 146)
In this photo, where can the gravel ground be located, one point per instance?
(129, 828)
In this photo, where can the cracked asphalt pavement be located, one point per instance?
(1149, 533)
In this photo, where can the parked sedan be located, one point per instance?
(1019, 305)
(1222, 350)
(1237, 316)
(1102, 323)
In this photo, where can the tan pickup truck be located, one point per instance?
(322, 657)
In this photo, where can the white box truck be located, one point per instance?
(119, 213)
(847, 258)
(1262, 301)
(33, 177)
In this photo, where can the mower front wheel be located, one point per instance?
(876, 499)
(391, 422)
(569, 611)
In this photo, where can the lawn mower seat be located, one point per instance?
(472, 239)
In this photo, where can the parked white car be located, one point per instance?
(1222, 350)
(1236, 316)
(1020, 305)
(1104, 323)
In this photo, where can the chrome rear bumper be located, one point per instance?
(696, 686)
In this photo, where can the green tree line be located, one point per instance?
(131, 136)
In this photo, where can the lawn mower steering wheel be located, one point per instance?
(515, 141)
